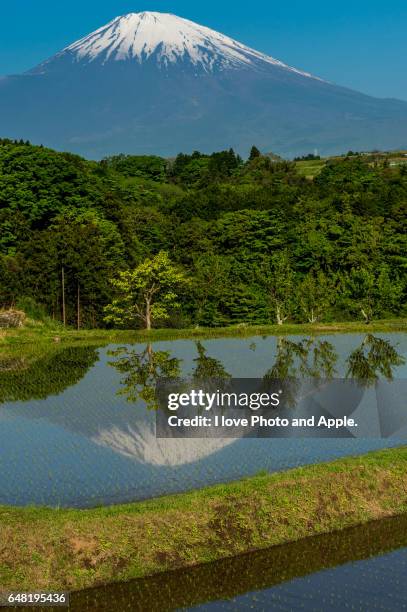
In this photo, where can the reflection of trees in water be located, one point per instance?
(316, 359)
(208, 367)
(374, 358)
(209, 373)
(142, 370)
(49, 374)
(312, 358)
(308, 358)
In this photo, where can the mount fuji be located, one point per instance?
(156, 83)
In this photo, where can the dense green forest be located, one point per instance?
(257, 241)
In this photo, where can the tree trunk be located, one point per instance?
(365, 316)
(63, 297)
(148, 314)
(278, 315)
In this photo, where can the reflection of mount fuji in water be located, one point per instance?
(117, 425)
(139, 442)
(93, 409)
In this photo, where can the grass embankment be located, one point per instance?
(311, 168)
(47, 549)
(229, 578)
(41, 334)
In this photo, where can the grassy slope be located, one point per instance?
(72, 549)
(254, 571)
(310, 168)
(37, 335)
(313, 167)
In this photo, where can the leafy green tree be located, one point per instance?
(146, 293)
(254, 153)
(38, 182)
(12, 271)
(146, 166)
(222, 165)
(90, 249)
(277, 277)
(211, 277)
(315, 295)
(372, 292)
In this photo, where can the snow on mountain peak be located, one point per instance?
(169, 39)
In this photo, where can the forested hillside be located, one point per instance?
(259, 241)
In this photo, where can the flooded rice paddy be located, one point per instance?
(77, 428)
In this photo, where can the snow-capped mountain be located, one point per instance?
(166, 39)
(156, 83)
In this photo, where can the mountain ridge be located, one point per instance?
(139, 36)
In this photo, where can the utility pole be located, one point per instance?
(78, 309)
(63, 297)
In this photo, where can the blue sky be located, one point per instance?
(361, 44)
